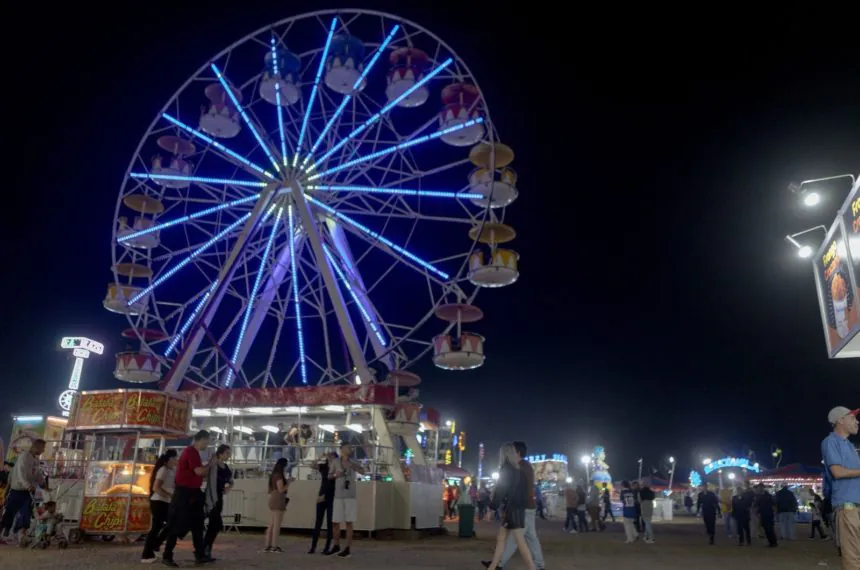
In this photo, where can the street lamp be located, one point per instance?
(732, 476)
(585, 459)
(803, 251)
(811, 199)
(671, 473)
(569, 480)
(706, 461)
(494, 476)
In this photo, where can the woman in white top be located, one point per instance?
(161, 487)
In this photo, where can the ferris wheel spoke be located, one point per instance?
(277, 74)
(235, 156)
(400, 191)
(314, 90)
(178, 336)
(250, 124)
(389, 246)
(397, 148)
(172, 271)
(378, 115)
(251, 298)
(189, 217)
(295, 283)
(199, 179)
(346, 98)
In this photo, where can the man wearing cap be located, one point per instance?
(842, 469)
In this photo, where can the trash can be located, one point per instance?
(467, 521)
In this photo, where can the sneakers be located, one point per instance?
(488, 563)
(573, 531)
(344, 553)
(169, 562)
(331, 552)
(649, 541)
(149, 560)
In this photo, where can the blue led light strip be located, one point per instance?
(245, 116)
(219, 146)
(399, 191)
(187, 324)
(295, 284)
(401, 146)
(382, 111)
(193, 216)
(200, 179)
(247, 317)
(380, 238)
(277, 73)
(314, 91)
(172, 271)
(370, 322)
(348, 97)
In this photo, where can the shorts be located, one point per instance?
(343, 511)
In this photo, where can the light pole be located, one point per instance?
(585, 459)
(812, 199)
(671, 473)
(640, 469)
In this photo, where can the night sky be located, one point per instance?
(659, 311)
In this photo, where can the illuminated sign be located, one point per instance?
(448, 457)
(461, 443)
(695, 479)
(725, 462)
(81, 348)
(554, 457)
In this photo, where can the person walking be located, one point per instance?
(161, 487)
(842, 478)
(786, 506)
(607, 504)
(570, 502)
(26, 477)
(628, 511)
(219, 482)
(765, 506)
(581, 510)
(688, 503)
(592, 505)
(344, 511)
(646, 499)
(638, 522)
(530, 526)
(710, 508)
(815, 523)
(726, 496)
(512, 494)
(278, 487)
(186, 505)
(325, 504)
(741, 506)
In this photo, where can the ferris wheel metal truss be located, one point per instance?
(271, 237)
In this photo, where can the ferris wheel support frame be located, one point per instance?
(176, 374)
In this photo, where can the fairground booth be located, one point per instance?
(802, 480)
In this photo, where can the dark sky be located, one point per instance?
(659, 310)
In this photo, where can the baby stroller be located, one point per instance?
(44, 525)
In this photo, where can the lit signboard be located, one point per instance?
(726, 462)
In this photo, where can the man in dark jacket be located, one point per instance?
(709, 504)
(786, 506)
(764, 505)
(741, 507)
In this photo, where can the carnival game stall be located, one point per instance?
(110, 446)
(551, 476)
(397, 491)
(801, 479)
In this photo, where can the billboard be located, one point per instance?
(837, 278)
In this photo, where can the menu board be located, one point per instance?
(851, 223)
(99, 409)
(178, 415)
(837, 295)
(145, 409)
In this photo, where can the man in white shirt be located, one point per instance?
(343, 470)
(26, 477)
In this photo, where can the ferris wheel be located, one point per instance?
(308, 206)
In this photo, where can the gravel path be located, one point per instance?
(680, 545)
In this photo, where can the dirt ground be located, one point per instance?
(680, 545)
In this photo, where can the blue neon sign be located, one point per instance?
(739, 462)
(544, 457)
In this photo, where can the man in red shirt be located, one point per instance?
(186, 507)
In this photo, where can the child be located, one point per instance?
(46, 519)
(816, 521)
(628, 503)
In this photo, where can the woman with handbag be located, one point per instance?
(512, 493)
(277, 505)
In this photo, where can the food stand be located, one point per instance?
(113, 438)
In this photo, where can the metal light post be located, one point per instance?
(640, 469)
(585, 459)
(671, 473)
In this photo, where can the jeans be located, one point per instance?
(17, 503)
(186, 513)
(767, 525)
(786, 526)
(324, 510)
(531, 540)
(816, 525)
(570, 521)
(581, 518)
(158, 530)
(649, 530)
(607, 512)
(710, 524)
(216, 524)
(743, 525)
(727, 520)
